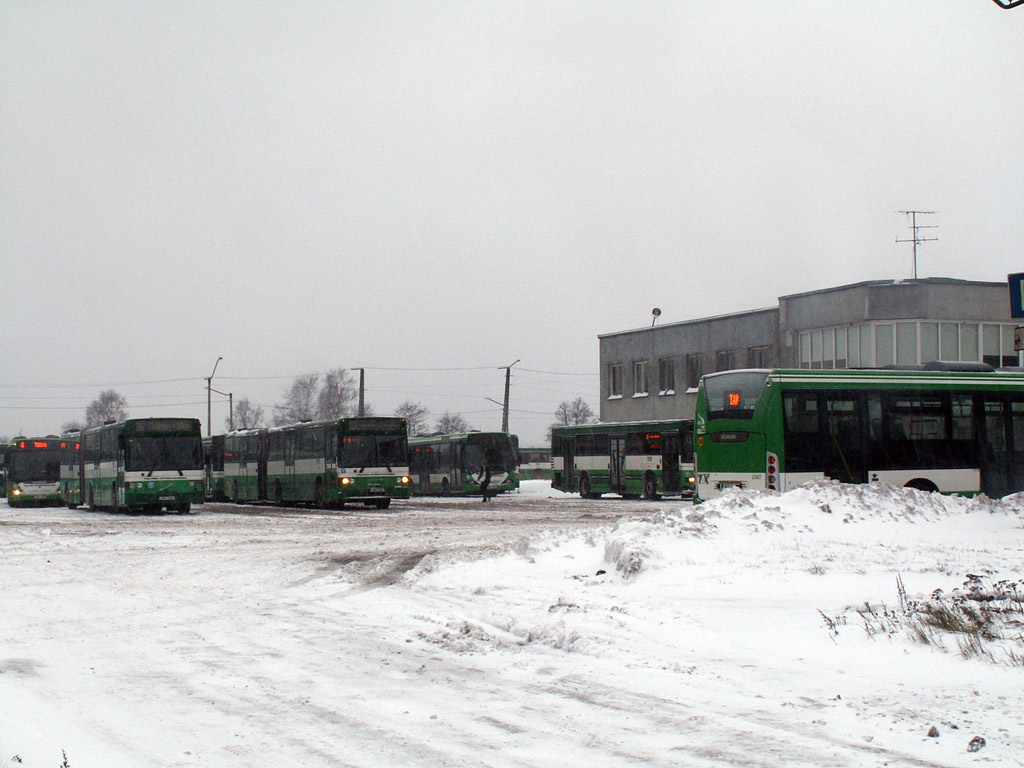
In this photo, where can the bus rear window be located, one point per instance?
(733, 395)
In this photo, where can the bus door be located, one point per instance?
(455, 468)
(996, 448)
(1016, 457)
(671, 477)
(290, 440)
(844, 449)
(568, 463)
(617, 464)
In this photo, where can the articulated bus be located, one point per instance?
(33, 472)
(450, 464)
(949, 427)
(632, 459)
(326, 463)
(142, 465)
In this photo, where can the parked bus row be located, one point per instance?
(165, 463)
(367, 460)
(947, 427)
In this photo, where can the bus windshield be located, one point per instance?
(162, 453)
(34, 466)
(373, 451)
(497, 450)
(733, 395)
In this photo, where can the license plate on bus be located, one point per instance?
(376, 489)
(166, 498)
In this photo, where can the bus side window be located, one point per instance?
(801, 431)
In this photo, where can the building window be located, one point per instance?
(1009, 356)
(723, 360)
(757, 357)
(841, 359)
(949, 341)
(906, 343)
(694, 370)
(615, 380)
(969, 342)
(828, 349)
(990, 345)
(640, 385)
(884, 345)
(666, 376)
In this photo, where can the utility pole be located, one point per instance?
(504, 410)
(917, 238)
(362, 391)
(209, 395)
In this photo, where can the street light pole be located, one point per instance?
(209, 396)
(231, 407)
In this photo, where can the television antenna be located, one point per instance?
(917, 239)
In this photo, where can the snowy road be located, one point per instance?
(531, 631)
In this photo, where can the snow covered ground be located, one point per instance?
(537, 630)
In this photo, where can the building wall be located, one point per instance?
(711, 340)
(859, 325)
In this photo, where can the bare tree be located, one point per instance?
(299, 402)
(247, 415)
(415, 415)
(109, 406)
(338, 396)
(452, 422)
(575, 412)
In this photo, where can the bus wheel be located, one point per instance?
(383, 503)
(922, 485)
(184, 509)
(318, 494)
(650, 487)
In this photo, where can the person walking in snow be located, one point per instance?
(485, 478)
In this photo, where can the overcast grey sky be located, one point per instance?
(297, 186)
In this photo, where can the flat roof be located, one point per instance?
(690, 322)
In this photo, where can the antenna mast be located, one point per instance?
(917, 237)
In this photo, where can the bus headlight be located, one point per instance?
(17, 491)
(405, 480)
(344, 480)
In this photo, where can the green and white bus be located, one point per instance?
(449, 464)
(535, 463)
(323, 463)
(33, 472)
(633, 459)
(949, 427)
(143, 465)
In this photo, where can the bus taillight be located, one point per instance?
(772, 472)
